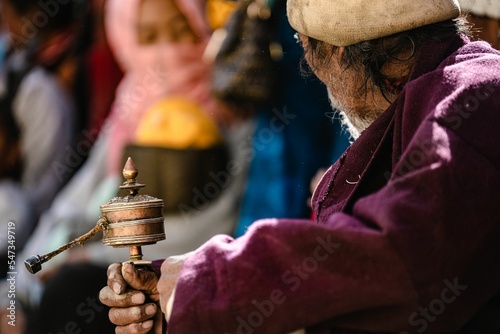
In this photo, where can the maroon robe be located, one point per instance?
(408, 232)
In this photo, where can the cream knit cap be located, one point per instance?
(347, 22)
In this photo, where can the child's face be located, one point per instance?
(160, 21)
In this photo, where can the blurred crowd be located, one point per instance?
(88, 83)
(84, 84)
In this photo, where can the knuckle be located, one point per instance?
(136, 312)
(110, 298)
(127, 316)
(136, 329)
(149, 279)
(114, 267)
(130, 329)
(104, 295)
(113, 316)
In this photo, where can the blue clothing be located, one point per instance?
(294, 137)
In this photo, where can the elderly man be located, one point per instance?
(407, 236)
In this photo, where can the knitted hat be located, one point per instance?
(347, 22)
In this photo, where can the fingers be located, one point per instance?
(139, 279)
(122, 275)
(153, 324)
(158, 323)
(115, 278)
(140, 328)
(110, 298)
(127, 290)
(132, 315)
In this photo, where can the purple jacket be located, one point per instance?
(408, 232)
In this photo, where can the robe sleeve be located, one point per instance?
(417, 255)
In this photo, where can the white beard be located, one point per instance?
(349, 119)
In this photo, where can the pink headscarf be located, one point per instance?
(153, 72)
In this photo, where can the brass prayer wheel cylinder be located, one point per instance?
(133, 221)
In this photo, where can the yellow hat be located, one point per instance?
(347, 22)
(177, 123)
(218, 12)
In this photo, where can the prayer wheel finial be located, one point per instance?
(130, 170)
(130, 173)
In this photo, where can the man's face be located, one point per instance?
(344, 85)
(329, 72)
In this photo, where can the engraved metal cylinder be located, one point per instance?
(133, 220)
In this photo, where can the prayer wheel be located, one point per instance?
(130, 221)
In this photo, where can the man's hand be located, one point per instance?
(133, 297)
(170, 270)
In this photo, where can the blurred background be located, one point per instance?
(85, 84)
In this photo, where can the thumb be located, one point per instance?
(140, 279)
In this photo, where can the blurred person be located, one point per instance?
(38, 127)
(4, 39)
(485, 15)
(285, 162)
(56, 36)
(13, 202)
(159, 46)
(407, 226)
(38, 120)
(104, 74)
